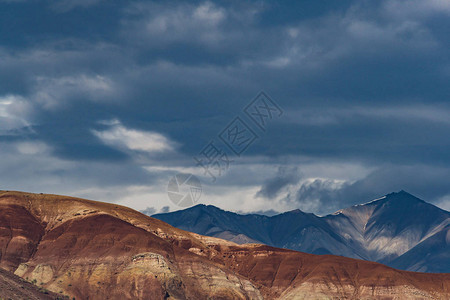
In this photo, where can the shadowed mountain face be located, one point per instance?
(93, 250)
(399, 230)
(293, 230)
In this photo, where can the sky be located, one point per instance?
(108, 100)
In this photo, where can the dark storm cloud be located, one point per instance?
(358, 81)
(395, 135)
(284, 177)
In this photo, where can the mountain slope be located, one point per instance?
(382, 230)
(94, 250)
(389, 227)
(14, 287)
(433, 251)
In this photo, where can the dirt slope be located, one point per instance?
(14, 287)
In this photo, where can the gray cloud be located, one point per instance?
(149, 211)
(164, 210)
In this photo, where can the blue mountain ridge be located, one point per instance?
(399, 230)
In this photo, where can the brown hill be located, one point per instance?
(95, 250)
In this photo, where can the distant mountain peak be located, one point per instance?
(394, 196)
(403, 198)
(403, 194)
(295, 211)
(203, 207)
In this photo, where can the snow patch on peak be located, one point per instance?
(345, 210)
(372, 201)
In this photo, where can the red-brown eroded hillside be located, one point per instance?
(94, 250)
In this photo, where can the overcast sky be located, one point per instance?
(107, 100)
